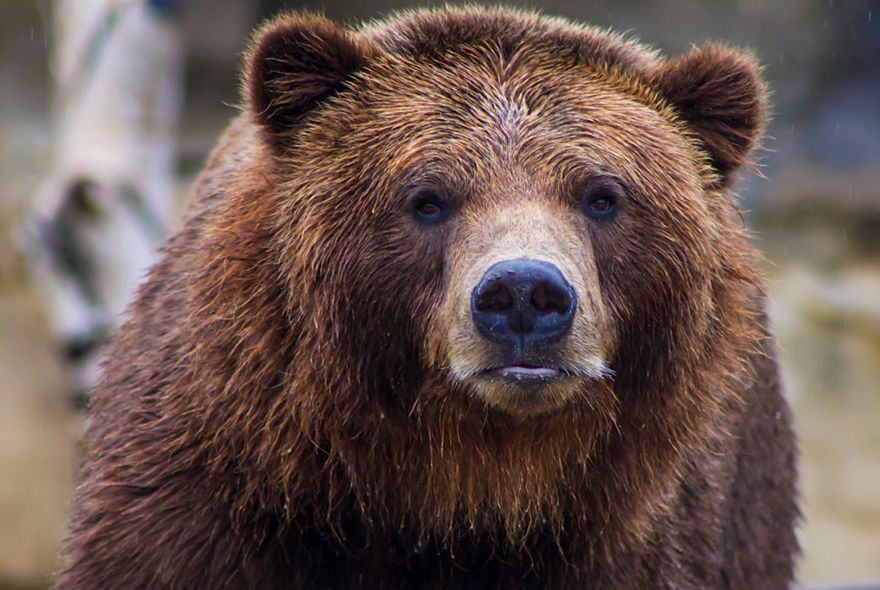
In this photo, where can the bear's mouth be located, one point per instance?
(524, 373)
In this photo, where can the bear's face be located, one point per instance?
(525, 226)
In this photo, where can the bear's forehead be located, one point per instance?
(497, 77)
(430, 33)
(486, 94)
(467, 49)
(530, 111)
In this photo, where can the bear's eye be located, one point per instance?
(600, 200)
(602, 204)
(429, 207)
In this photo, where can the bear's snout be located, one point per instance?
(523, 322)
(523, 304)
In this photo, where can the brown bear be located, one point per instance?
(463, 299)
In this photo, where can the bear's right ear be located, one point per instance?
(294, 63)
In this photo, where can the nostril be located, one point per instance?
(547, 298)
(495, 297)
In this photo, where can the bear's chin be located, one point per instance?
(525, 395)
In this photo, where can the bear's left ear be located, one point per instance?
(296, 62)
(718, 92)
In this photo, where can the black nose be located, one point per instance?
(524, 302)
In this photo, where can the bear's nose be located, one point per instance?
(523, 301)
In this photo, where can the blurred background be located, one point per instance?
(109, 107)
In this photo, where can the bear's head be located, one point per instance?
(521, 209)
(508, 256)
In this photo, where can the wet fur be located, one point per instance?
(278, 411)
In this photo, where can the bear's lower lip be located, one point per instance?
(525, 373)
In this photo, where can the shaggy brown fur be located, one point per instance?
(296, 400)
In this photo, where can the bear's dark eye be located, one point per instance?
(600, 201)
(429, 207)
(602, 205)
